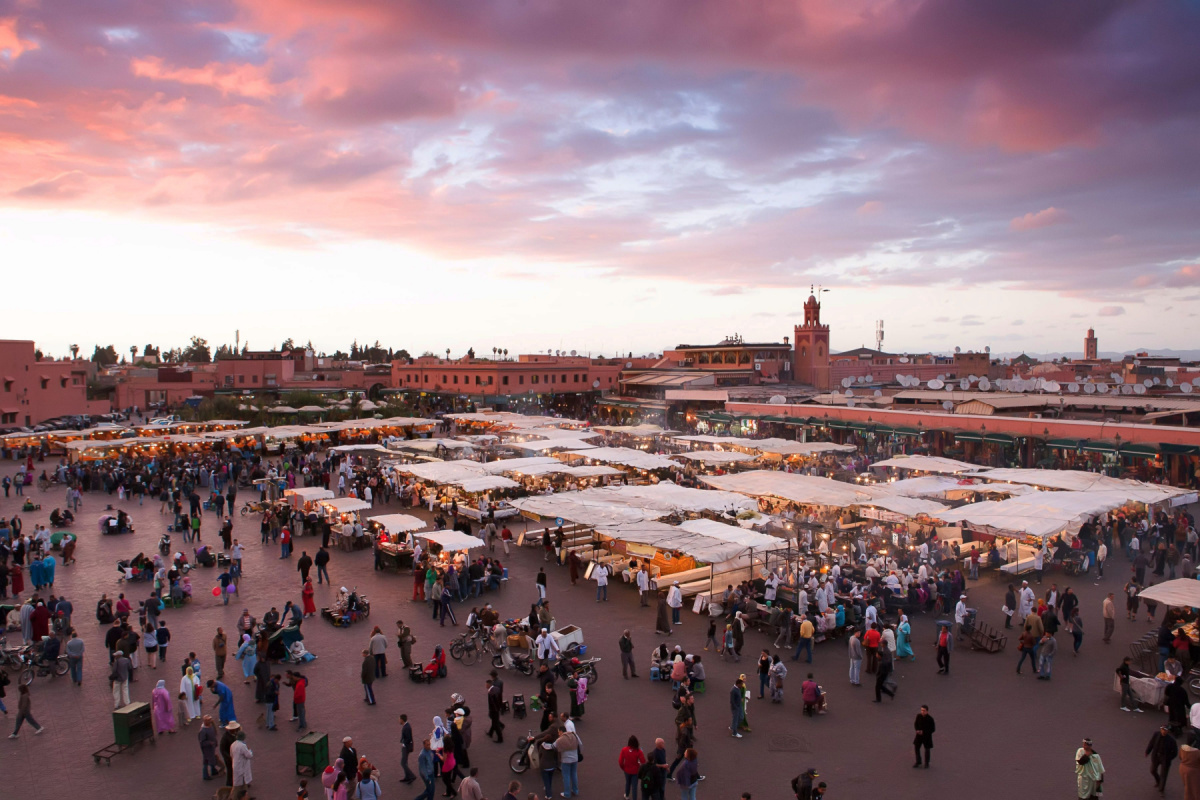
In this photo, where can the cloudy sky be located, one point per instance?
(624, 175)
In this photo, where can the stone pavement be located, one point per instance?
(999, 735)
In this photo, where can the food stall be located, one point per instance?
(341, 511)
(306, 498)
(1182, 597)
(392, 532)
(442, 544)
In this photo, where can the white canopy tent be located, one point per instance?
(399, 523)
(452, 540)
(359, 448)
(627, 456)
(558, 443)
(346, 505)
(610, 505)
(715, 457)
(430, 445)
(772, 446)
(812, 490)
(486, 483)
(1079, 481)
(929, 464)
(639, 431)
(1180, 593)
(308, 494)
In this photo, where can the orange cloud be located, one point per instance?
(246, 80)
(11, 44)
(1042, 219)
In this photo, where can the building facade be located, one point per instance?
(33, 390)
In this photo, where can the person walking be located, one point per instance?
(737, 707)
(1109, 610)
(662, 620)
(1046, 652)
(495, 707)
(688, 776)
(882, 677)
(805, 641)
(1089, 772)
(1027, 644)
(406, 748)
(321, 560)
(1101, 557)
(675, 601)
(243, 775)
(600, 573)
(1161, 750)
(25, 713)
(210, 767)
(377, 645)
(1075, 628)
(945, 645)
(368, 677)
(856, 658)
(122, 670)
(630, 761)
(924, 726)
(628, 668)
(569, 749)
(1010, 605)
(426, 763)
(75, 658)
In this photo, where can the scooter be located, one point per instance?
(164, 544)
(521, 663)
(518, 762)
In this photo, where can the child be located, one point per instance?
(302, 792)
(728, 641)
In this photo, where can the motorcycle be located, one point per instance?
(521, 663)
(519, 761)
(32, 664)
(583, 668)
(164, 544)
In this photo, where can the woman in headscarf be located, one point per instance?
(903, 635)
(189, 695)
(248, 655)
(18, 578)
(163, 708)
(662, 623)
(579, 693)
(35, 573)
(329, 776)
(437, 738)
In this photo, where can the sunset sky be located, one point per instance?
(612, 176)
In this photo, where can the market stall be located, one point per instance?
(442, 544)
(393, 538)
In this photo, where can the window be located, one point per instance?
(520, 379)
(254, 379)
(45, 383)
(564, 377)
(545, 379)
(533, 378)
(427, 379)
(803, 352)
(8, 385)
(62, 382)
(241, 378)
(819, 353)
(478, 380)
(504, 380)
(576, 377)
(456, 379)
(491, 380)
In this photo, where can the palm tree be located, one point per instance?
(74, 352)
(133, 354)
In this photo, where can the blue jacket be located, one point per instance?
(735, 699)
(425, 763)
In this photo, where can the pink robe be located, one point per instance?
(163, 708)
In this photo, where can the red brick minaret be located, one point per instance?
(811, 354)
(1091, 347)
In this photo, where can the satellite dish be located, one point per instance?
(1139, 389)
(972, 378)
(572, 352)
(596, 384)
(1116, 376)
(1170, 382)
(1186, 388)
(1052, 386)
(903, 359)
(850, 402)
(985, 384)
(1102, 388)
(1185, 383)
(878, 393)
(846, 382)
(941, 377)
(1156, 382)
(849, 393)
(946, 404)
(936, 384)
(958, 349)
(1148, 383)
(1089, 388)
(869, 378)
(777, 400)
(964, 384)
(1128, 389)
(1073, 388)
(628, 365)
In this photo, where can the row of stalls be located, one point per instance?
(1022, 510)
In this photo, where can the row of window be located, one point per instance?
(8, 385)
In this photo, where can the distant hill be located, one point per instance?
(1185, 355)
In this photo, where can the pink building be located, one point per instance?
(528, 374)
(32, 390)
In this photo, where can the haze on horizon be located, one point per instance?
(610, 177)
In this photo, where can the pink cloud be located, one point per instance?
(1188, 275)
(246, 80)
(1111, 311)
(870, 207)
(11, 44)
(1041, 219)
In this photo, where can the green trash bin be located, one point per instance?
(132, 724)
(312, 753)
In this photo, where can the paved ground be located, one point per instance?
(999, 735)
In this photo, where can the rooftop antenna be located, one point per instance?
(879, 335)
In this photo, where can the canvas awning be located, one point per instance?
(345, 505)
(309, 493)
(399, 523)
(1180, 593)
(452, 540)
